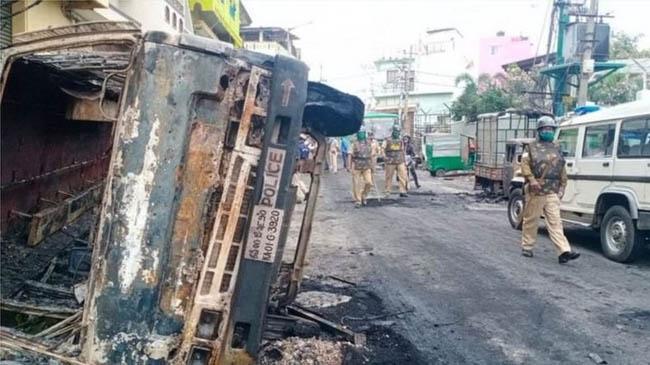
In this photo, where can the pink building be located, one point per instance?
(494, 52)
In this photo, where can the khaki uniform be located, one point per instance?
(376, 151)
(334, 155)
(543, 162)
(361, 171)
(395, 161)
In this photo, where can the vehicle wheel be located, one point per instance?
(516, 208)
(440, 172)
(618, 237)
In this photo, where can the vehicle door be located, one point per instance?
(632, 163)
(568, 140)
(595, 165)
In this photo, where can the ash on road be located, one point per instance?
(454, 263)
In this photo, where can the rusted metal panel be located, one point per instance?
(179, 106)
(43, 152)
(50, 220)
(207, 326)
(88, 110)
(199, 178)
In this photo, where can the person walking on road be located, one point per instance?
(542, 166)
(345, 148)
(395, 162)
(410, 159)
(360, 164)
(333, 155)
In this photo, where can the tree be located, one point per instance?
(483, 95)
(467, 103)
(626, 46)
(620, 87)
(615, 89)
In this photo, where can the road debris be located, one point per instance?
(300, 351)
(596, 358)
(342, 280)
(320, 299)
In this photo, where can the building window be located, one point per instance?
(494, 50)
(174, 20)
(599, 141)
(180, 25)
(167, 14)
(391, 76)
(395, 80)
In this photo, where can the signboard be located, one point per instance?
(266, 223)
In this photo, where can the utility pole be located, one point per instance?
(560, 83)
(587, 68)
(405, 68)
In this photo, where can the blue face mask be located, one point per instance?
(546, 136)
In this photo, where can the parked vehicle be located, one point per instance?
(446, 152)
(513, 180)
(607, 156)
(380, 124)
(493, 130)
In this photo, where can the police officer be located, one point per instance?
(411, 159)
(395, 161)
(361, 165)
(543, 168)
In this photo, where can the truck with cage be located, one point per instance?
(493, 131)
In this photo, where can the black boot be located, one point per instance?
(567, 256)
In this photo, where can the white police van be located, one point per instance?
(607, 156)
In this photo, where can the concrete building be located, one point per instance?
(165, 15)
(218, 19)
(427, 70)
(270, 40)
(494, 52)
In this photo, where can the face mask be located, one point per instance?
(546, 136)
(361, 136)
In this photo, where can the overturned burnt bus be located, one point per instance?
(184, 149)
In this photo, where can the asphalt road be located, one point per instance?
(457, 264)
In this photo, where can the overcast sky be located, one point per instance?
(344, 37)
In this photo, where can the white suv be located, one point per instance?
(607, 156)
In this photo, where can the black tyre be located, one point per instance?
(516, 208)
(440, 172)
(618, 237)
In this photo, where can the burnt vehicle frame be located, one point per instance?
(184, 175)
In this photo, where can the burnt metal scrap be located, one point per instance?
(197, 189)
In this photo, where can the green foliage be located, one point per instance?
(489, 94)
(626, 46)
(620, 87)
(615, 89)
